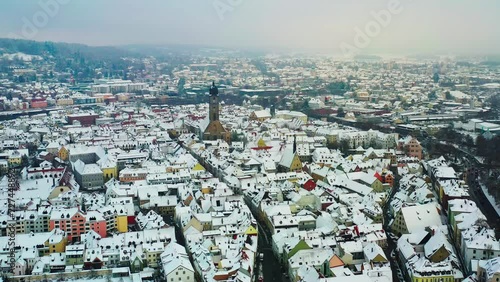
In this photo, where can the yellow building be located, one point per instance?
(15, 162)
(121, 223)
(440, 278)
(363, 96)
(99, 98)
(195, 223)
(251, 230)
(198, 167)
(331, 139)
(123, 97)
(378, 186)
(109, 172)
(57, 243)
(65, 102)
(207, 190)
(296, 163)
(409, 219)
(165, 210)
(63, 154)
(261, 143)
(290, 161)
(153, 255)
(16, 157)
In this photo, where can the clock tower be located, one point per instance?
(214, 103)
(214, 130)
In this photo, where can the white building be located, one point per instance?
(479, 243)
(176, 264)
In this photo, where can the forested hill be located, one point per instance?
(46, 49)
(83, 62)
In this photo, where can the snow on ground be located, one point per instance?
(98, 279)
(480, 159)
(40, 188)
(22, 56)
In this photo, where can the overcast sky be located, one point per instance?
(463, 26)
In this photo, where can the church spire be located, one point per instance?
(214, 103)
(213, 90)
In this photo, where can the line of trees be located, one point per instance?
(337, 88)
(488, 148)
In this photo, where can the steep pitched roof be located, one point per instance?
(287, 158)
(419, 217)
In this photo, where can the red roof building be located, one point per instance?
(309, 185)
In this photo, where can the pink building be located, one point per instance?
(76, 223)
(38, 103)
(410, 146)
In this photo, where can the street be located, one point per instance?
(390, 251)
(270, 268)
(474, 172)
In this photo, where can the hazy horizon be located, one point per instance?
(423, 26)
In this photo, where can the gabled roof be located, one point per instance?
(287, 158)
(418, 217)
(491, 267)
(435, 243)
(374, 253)
(335, 261)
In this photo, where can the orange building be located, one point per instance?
(63, 154)
(388, 178)
(76, 223)
(411, 147)
(131, 175)
(38, 103)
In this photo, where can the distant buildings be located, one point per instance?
(117, 86)
(261, 115)
(322, 193)
(83, 119)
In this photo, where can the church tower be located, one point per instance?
(214, 130)
(214, 103)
